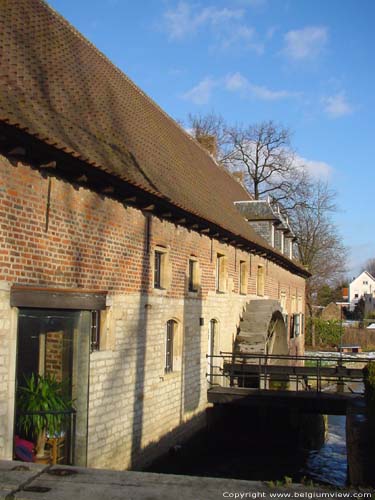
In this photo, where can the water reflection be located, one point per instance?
(329, 464)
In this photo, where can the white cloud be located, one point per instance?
(337, 105)
(201, 93)
(236, 82)
(243, 37)
(317, 169)
(252, 3)
(306, 43)
(183, 21)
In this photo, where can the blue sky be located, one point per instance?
(308, 64)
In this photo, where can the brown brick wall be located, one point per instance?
(95, 242)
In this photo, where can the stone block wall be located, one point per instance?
(7, 371)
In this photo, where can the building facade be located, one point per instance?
(123, 258)
(363, 286)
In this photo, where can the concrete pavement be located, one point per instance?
(24, 481)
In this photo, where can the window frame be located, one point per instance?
(161, 273)
(169, 345)
(158, 262)
(261, 281)
(193, 275)
(221, 273)
(243, 277)
(95, 330)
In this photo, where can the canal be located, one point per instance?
(266, 461)
(261, 453)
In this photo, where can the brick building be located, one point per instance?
(123, 257)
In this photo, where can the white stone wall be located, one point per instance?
(133, 403)
(8, 341)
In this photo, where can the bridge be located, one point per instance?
(313, 385)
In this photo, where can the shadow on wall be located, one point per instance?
(141, 343)
(169, 443)
(191, 380)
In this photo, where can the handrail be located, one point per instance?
(260, 371)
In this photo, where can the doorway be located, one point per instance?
(55, 344)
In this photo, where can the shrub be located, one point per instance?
(327, 332)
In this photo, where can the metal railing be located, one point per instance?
(285, 372)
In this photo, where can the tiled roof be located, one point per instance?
(58, 87)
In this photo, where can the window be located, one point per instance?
(243, 277)
(296, 325)
(299, 305)
(173, 347)
(272, 235)
(171, 331)
(161, 268)
(95, 331)
(283, 300)
(221, 272)
(260, 281)
(158, 269)
(356, 295)
(193, 275)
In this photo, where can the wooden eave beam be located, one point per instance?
(40, 154)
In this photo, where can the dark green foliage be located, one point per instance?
(327, 332)
(41, 394)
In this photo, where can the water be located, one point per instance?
(263, 461)
(329, 464)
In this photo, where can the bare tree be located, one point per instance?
(263, 152)
(320, 246)
(369, 266)
(210, 124)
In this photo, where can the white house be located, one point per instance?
(362, 285)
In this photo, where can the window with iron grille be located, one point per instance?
(95, 331)
(171, 330)
(158, 269)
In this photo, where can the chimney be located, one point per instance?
(239, 176)
(209, 143)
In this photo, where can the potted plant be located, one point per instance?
(38, 402)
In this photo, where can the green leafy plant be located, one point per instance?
(38, 402)
(327, 332)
